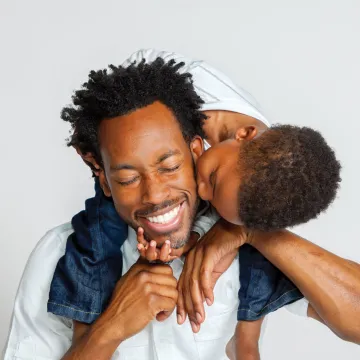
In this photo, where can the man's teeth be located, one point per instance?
(165, 218)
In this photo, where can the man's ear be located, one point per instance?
(89, 160)
(196, 147)
(104, 184)
(246, 133)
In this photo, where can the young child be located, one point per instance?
(86, 275)
(240, 178)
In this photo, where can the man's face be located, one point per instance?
(149, 172)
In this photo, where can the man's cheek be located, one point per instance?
(186, 183)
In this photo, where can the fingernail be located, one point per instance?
(193, 326)
(208, 301)
(179, 319)
(198, 317)
(167, 242)
(152, 243)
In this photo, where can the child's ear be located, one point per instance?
(98, 171)
(246, 133)
(196, 147)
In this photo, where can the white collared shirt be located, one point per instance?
(36, 334)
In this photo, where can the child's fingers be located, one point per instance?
(142, 250)
(165, 251)
(140, 237)
(151, 254)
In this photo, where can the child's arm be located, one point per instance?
(330, 283)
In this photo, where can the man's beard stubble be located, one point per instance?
(177, 243)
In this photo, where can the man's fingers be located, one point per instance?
(163, 315)
(163, 306)
(161, 291)
(144, 266)
(147, 277)
(162, 299)
(160, 269)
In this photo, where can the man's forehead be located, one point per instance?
(153, 129)
(140, 123)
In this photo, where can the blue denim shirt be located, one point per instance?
(86, 275)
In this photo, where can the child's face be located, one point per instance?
(218, 178)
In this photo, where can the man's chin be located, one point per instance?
(177, 239)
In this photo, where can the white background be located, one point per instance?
(300, 59)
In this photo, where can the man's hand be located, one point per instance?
(141, 295)
(145, 292)
(204, 264)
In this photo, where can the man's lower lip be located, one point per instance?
(164, 228)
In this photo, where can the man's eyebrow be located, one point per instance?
(167, 155)
(121, 167)
(158, 161)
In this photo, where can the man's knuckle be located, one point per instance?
(173, 303)
(147, 288)
(176, 295)
(144, 277)
(137, 267)
(168, 270)
(151, 299)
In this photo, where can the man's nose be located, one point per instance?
(155, 191)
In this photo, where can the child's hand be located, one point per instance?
(204, 264)
(151, 253)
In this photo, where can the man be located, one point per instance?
(146, 154)
(142, 183)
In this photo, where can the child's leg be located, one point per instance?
(263, 289)
(244, 345)
(86, 275)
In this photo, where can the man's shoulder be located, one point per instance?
(48, 251)
(32, 327)
(55, 238)
(59, 231)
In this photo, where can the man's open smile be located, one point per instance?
(166, 220)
